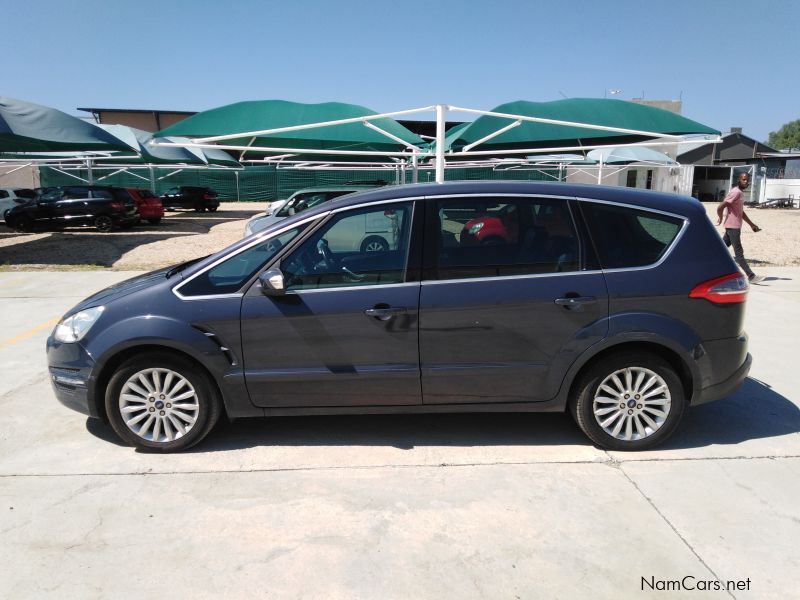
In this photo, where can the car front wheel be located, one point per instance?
(103, 223)
(629, 401)
(161, 403)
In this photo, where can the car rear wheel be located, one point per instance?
(161, 402)
(23, 224)
(212, 208)
(155, 220)
(629, 401)
(374, 243)
(103, 223)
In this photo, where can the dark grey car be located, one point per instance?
(620, 305)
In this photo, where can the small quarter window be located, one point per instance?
(627, 237)
(230, 275)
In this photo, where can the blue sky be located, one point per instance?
(733, 63)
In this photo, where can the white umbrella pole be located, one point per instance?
(440, 111)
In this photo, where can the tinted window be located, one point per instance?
(490, 237)
(230, 275)
(76, 192)
(3, 194)
(105, 194)
(359, 247)
(627, 237)
(51, 195)
(25, 193)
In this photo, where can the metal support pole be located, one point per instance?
(600, 171)
(152, 178)
(415, 166)
(89, 173)
(236, 174)
(440, 112)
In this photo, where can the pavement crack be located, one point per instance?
(673, 528)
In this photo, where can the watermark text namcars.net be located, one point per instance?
(690, 583)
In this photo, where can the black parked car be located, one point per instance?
(103, 207)
(187, 196)
(620, 305)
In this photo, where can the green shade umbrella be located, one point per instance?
(259, 115)
(29, 127)
(629, 154)
(594, 111)
(137, 140)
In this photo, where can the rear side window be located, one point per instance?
(491, 237)
(626, 237)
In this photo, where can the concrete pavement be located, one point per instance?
(429, 506)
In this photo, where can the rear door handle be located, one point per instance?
(575, 301)
(386, 313)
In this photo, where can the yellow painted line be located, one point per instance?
(29, 333)
(13, 283)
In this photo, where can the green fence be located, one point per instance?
(269, 183)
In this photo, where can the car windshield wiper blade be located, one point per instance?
(180, 267)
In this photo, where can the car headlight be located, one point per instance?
(475, 228)
(74, 327)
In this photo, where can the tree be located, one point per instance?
(786, 137)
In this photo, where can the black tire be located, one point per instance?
(154, 221)
(208, 411)
(23, 223)
(374, 243)
(199, 208)
(103, 223)
(582, 402)
(213, 208)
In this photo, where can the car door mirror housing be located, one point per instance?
(272, 283)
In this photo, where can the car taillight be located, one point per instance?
(728, 289)
(208, 196)
(117, 205)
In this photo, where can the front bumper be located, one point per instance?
(72, 376)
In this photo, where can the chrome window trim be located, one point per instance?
(259, 237)
(352, 287)
(378, 203)
(509, 277)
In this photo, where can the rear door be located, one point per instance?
(508, 299)
(345, 333)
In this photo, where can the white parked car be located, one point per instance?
(10, 197)
(298, 202)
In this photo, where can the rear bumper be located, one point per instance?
(151, 212)
(726, 387)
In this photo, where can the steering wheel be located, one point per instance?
(325, 252)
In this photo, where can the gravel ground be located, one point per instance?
(185, 235)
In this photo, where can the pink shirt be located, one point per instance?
(735, 205)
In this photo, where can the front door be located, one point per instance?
(507, 304)
(345, 333)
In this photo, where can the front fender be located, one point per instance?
(178, 335)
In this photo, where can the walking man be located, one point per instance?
(734, 202)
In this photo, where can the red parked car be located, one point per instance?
(149, 205)
(498, 225)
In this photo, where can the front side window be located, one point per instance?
(491, 237)
(230, 275)
(367, 246)
(627, 237)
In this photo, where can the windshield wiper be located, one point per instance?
(180, 267)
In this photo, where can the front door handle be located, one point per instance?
(575, 302)
(385, 313)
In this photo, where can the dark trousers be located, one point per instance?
(733, 237)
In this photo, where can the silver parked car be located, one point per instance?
(299, 201)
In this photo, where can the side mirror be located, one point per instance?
(272, 283)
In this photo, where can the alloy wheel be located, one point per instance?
(632, 403)
(159, 405)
